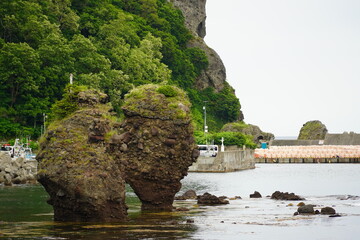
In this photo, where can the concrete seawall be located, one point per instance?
(228, 161)
(307, 160)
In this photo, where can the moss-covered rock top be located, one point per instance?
(165, 102)
(313, 130)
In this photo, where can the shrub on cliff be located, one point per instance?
(158, 101)
(230, 139)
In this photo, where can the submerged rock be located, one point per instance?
(155, 145)
(83, 181)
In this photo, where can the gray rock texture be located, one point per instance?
(194, 12)
(16, 171)
(306, 209)
(84, 183)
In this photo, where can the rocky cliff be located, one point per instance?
(194, 12)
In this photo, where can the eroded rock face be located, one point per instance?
(194, 12)
(155, 144)
(84, 183)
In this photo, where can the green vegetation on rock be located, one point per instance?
(313, 130)
(158, 101)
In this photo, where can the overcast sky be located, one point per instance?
(291, 61)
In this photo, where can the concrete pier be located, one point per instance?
(228, 161)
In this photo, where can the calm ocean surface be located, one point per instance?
(24, 213)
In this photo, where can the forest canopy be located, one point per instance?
(110, 45)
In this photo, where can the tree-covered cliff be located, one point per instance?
(111, 45)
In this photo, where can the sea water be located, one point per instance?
(24, 213)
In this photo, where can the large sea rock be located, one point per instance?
(83, 181)
(313, 130)
(155, 145)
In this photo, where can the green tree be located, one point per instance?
(144, 66)
(19, 72)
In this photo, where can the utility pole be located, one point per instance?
(45, 116)
(71, 78)
(205, 126)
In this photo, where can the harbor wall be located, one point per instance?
(330, 139)
(228, 161)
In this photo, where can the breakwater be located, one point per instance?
(309, 154)
(228, 161)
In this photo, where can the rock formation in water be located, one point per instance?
(155, 144)
(313, 130)
(84, 183)
(248, 129)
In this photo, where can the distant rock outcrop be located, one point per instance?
(313, 130)
(248, 129)
(155, 144)
(84, 183)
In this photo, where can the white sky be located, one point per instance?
(290, 61)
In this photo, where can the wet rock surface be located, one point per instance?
(285, 196)
(209, 199)
(84, 183)
(306, 209)
(155, 145)
(256, 194)
(328, 211)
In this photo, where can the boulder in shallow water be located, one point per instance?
(256, 194)
(285, 196)
(306, 209)
(328, 211)
(209, 199)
